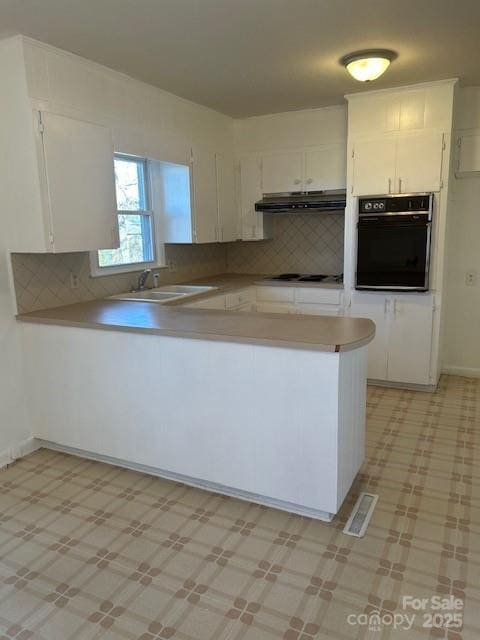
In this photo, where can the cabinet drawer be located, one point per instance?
(318, 296)
(320, 309)
(276, 294)
(216, 302)
(276, 307)
(239, 297)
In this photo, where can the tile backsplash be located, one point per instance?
(301, 243)
(43, 280)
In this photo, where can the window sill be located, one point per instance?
(102, 272)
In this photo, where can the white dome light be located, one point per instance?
(368, 65)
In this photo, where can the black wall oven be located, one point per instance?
(393, 249)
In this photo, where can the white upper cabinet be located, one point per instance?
(315, 169)
(409, 163)
(325, 168)
(282, 172)
(254, 225)
(374, 166)
(227, 223)
(419, 162)
(468, 155)
(205, 204)
(77, 164)
(205, 213)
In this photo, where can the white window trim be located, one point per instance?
(96, 271)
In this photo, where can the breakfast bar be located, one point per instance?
(265, 407)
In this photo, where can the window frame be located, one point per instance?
(149, 212)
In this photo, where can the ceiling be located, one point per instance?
(249, 57)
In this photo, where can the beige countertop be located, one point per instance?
(321, 333)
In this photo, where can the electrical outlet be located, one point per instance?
(471, 278)
(171, 266)
(74, 280)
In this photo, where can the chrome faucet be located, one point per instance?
(142, 279)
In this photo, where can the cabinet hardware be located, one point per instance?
(297, 181)
(399, 185)
(389, 185)
(309, 181)
(51, 238)
(395, 308)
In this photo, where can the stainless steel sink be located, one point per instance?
(164, 294)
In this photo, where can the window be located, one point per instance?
(135, 217)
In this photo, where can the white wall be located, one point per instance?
(294, 129)
(462, 323)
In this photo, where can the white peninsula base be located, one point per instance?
(279, 426)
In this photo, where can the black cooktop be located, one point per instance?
(315, 277)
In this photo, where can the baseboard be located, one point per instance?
(9, 455)
(427, 388)
(194, 482)
(464, 372)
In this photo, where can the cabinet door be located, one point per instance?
(204, 174)
(250, 192)
(374, 307)
(227, 214)
(326, 168)
(419, 163)
(319, 309)
(410, 342)
(374, 167)
(282, 172)
(215, 302)
(79, 173)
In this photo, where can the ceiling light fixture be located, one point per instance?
(368, 65)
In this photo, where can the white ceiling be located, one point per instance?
(248, 57)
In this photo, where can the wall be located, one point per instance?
(462, 321)
(14, 421)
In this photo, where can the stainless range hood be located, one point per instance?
(300, 203)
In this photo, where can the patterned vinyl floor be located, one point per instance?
(92, 551)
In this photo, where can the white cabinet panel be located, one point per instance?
(227, 214)
(276, 307)
(410, 343)
(215, 302)
(282, 172)
(254, 226)
(204, 174)
(318, 295)
(276, 294)
(374, 307)
(419, 163)
(79, 174)
(240, 297)
(319, 309)
(326, 168)
(374, 167)
(468, 160)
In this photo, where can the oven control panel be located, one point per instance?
(395, 204)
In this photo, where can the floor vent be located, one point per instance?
(360, 517)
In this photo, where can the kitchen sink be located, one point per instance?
(163, 294)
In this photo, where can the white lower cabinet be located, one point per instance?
(276, 307)
(214, 302)
(402, 348)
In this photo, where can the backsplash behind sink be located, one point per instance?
(42, 281)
